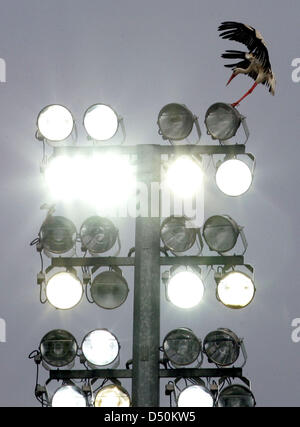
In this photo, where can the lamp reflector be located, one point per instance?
(109, 289)
(98, 235)
(57, 234)
(112, 396)
(222, 347)
(185, 289)
(235, 289)
(184, 177)
(233, 177)
(58, 348)
(237, 396)
(100, 347)
(195, 396)
(55, 123)
(181, 346)
(101, 122)
(222, 121)
(69, 396)
(220, 233)
(175, 122)
(177, 234)
(64, 290)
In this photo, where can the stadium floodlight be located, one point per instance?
(181, 347)
(234, 177)
(184, 286)
(184, 176)
(100, 348)
(69, 396)
(176, 121)
(57, 235)
(109, 289)
(101, 122)
(64, 290)
(195, 396)
(98, 235)
(113, 396)
(221, 232)
(58, 348)
(236, 395)
(222, 121)
(222, 347)
(179, 234)
(55, 123)
(235, 289)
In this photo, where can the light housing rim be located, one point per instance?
(120, 387)
(234, 338)
(223, 276)
(235, 231)
(113, 335)
(42, 135)
(202, 387)
(75, 388)
(74, 343)
(122, 280)
(194, 337)
(72, 273)
(184, 220)
(96, 104)
(236, 114)
(241, 386)
(101, 220)
(183, 107)
(251, 172)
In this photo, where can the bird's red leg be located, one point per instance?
(233, 75)
(244, 96)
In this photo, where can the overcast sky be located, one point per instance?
(138, 56)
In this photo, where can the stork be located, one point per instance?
(255, 63)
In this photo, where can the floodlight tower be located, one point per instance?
(175, 122)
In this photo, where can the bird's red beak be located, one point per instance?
(232, 77)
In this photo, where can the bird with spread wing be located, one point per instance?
(255, 63)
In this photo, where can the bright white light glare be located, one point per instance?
(55, 123)
(185, 289)
(107, 180)
(64, 290)
(236, 290)
(195, 396)
(184, 177)
(100, 347)
(112, 396)
(68, 397)
(100, 122)
(233, 177)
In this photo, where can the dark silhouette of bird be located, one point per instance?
(255, 63)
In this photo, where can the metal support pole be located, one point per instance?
(146, 312)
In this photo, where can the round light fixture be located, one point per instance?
(222, 121)
(109, 289)
(98, 235)
(101, 122)
(185, 289)
(57, 235)
(177, 234)
(237, 396)
(58, 348)
(175, 122)
(181, 346)
(220, 233)
(233, 177)
(55, 123)
(100, 347)
(184, 177)
(64, 290)
(195, 396)
(222, 347)
(69, 396)
(235, 289)
(112, 396)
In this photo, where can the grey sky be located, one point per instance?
(138, 56)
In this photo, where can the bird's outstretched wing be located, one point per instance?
(249, 37)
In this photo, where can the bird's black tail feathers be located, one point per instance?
(233, 54)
